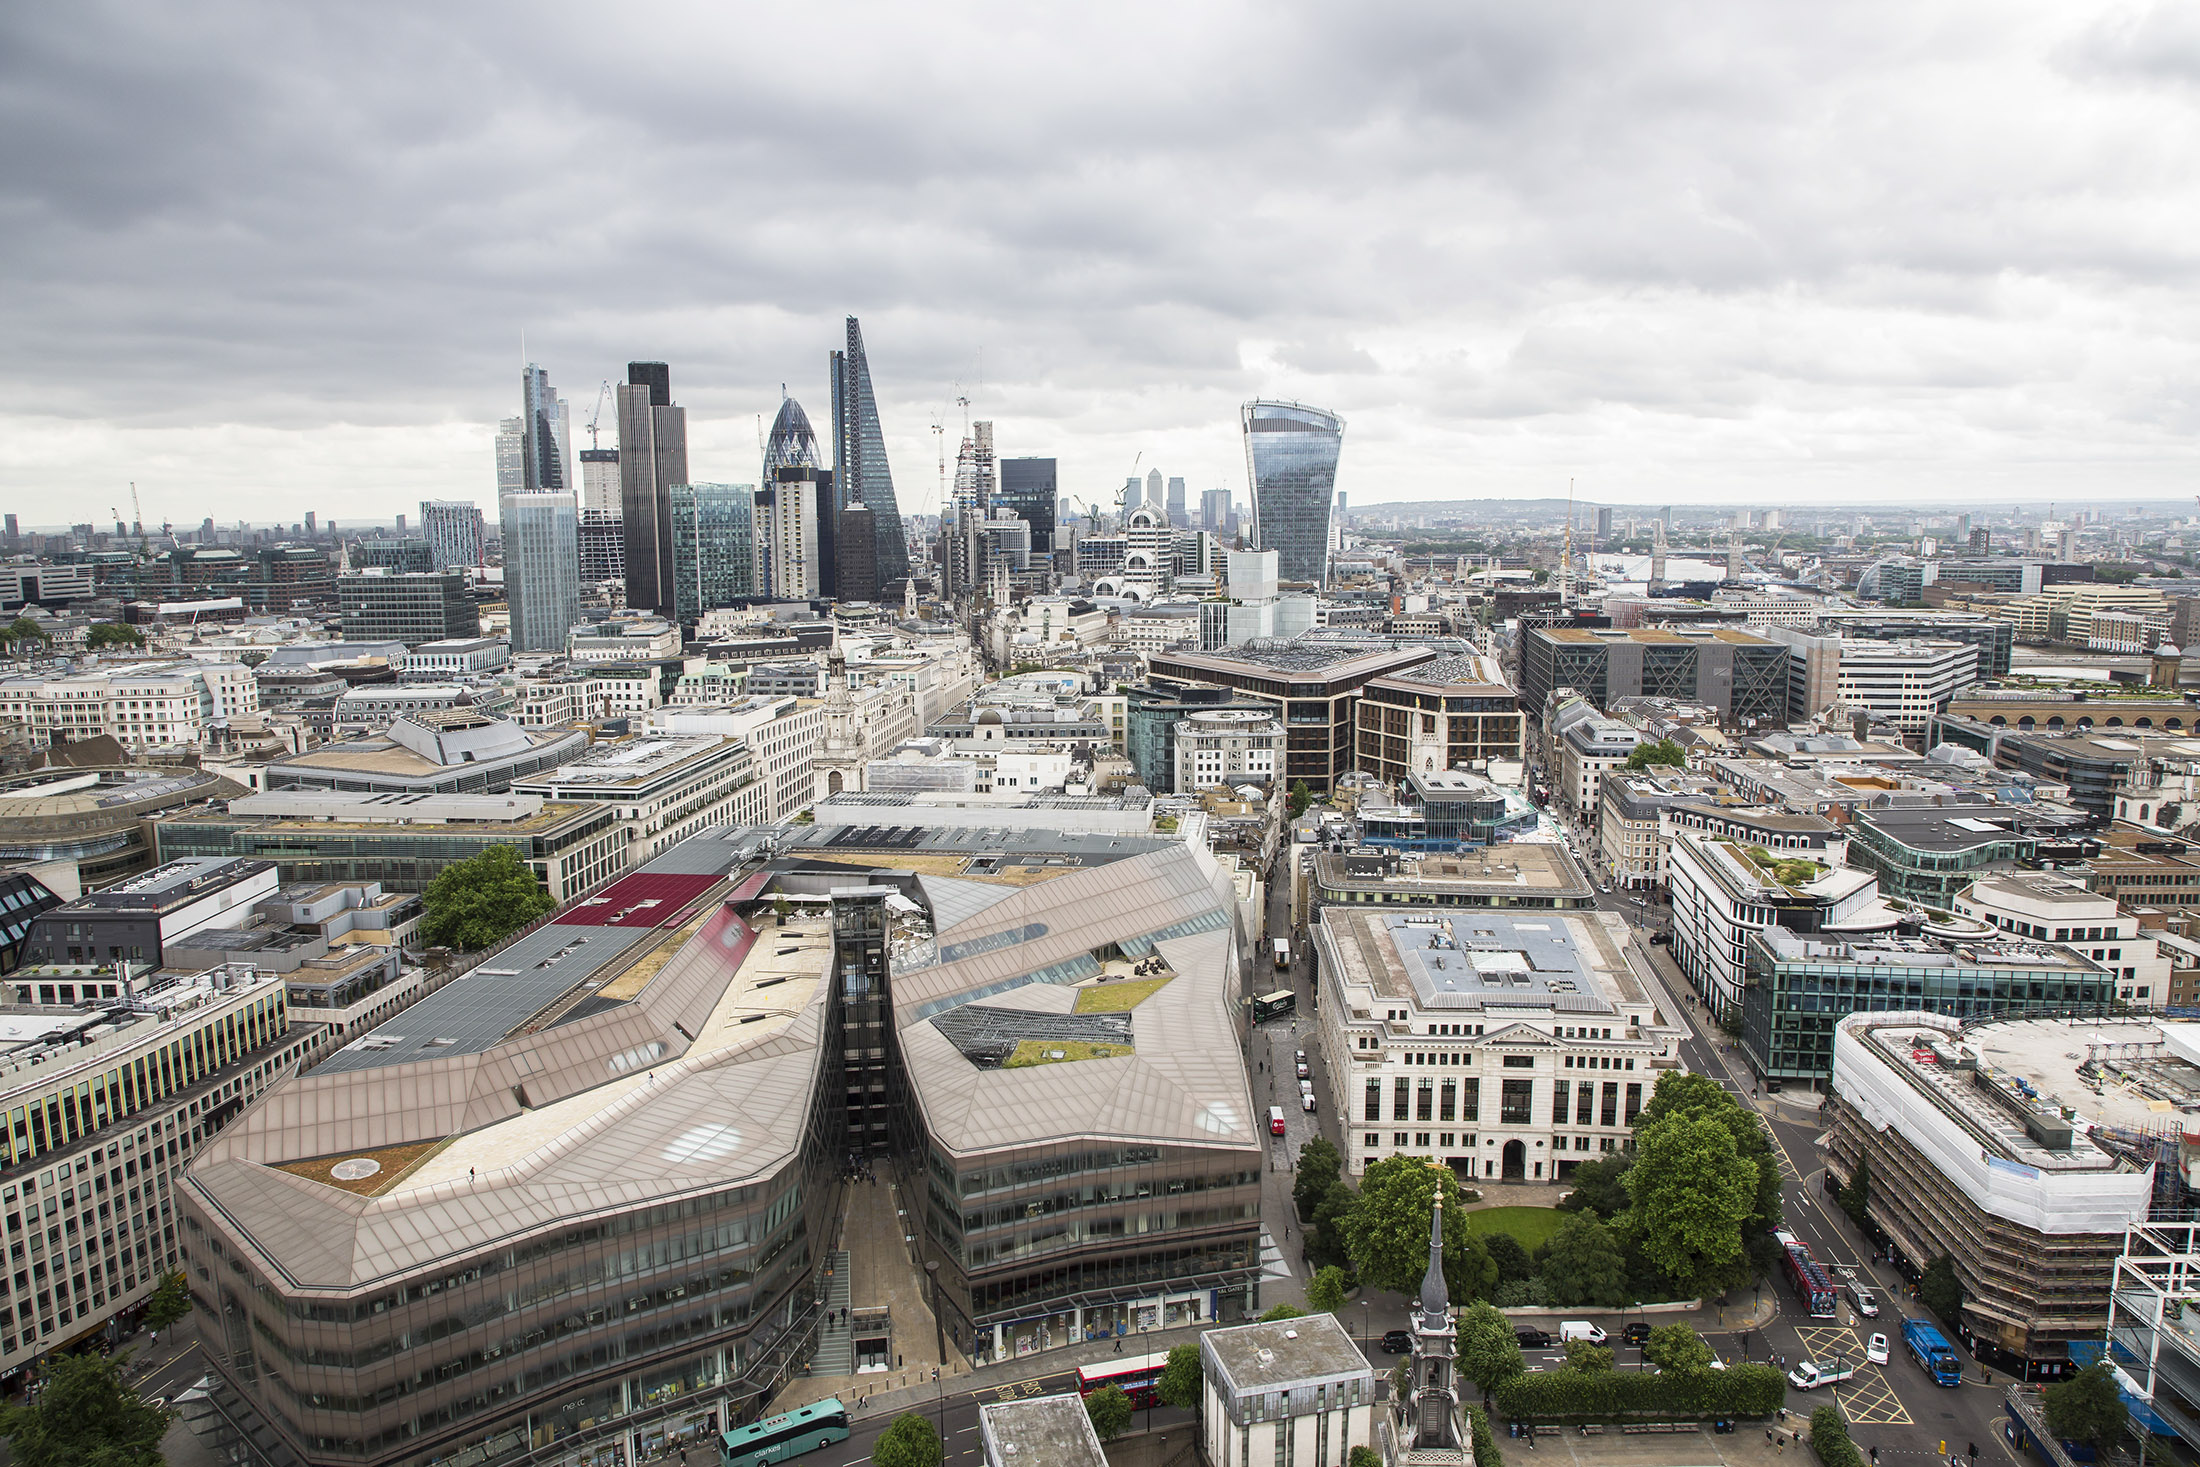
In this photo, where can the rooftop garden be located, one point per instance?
(1060, 1052)
(1118, 997)
(1788, 871)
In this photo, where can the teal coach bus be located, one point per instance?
(776, 1438)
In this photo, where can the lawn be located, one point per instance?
(1120, 996)
(1531, 1226)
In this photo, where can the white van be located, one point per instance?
(1580, 1329)
(1306, 1101)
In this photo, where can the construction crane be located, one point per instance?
(137, 520)
(603, 395)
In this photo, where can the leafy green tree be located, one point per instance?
(1110, 1411)
(1598, 1187)
(2087, 1407)
(1325, 1290)
(1588, 1357)
(1691, 1194)
(480, 901)
(170, 1302)
(1856, 1197)
(1677, 1348)
(1387, 1234)
(1662, 752)
(1181, 1379)
(1681, 1093)
(1283, 1311)
(1529, 1293)
(1511, 1258)
(1939, 1290)
(22, 633)
(1299, 798)
(104, 634)
(84, 1415)
(1583, 1265)
(1486, 1453)
(1489, 1351)
(1319, 1167)
(1326, 1244)
(1363, 1457)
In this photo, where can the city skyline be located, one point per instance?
(1865, 257)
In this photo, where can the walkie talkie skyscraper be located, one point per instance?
(1291, 456)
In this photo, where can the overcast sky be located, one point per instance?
(266, 259)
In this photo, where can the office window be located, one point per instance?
(1558, 1101)
(1470, 1108)
(1425, 1107)
(1400, 1098)
(1611, 1102)
(1374, 1104)
(1449, 1109)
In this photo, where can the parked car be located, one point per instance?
(1531, 1339)
(1636, 1333)
(1875, 1350)
(1396, 1342)
(1581, 1329)
(1867, 1303)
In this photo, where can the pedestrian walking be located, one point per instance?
(1875, 1457)
(1973, 1450)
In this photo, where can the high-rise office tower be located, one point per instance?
(859, 455)
(856, 573)
(792, 445)
(1156, 496)
(602, 546)
(454, 530)
(1028, 488)
(600, 480)
(541, 567)
(1177, 515)
(312, 527)
(15, 535)
(1214, 510)
(1291, 456)
(787, 548)
(1604, 524)
(652, 458)
(542, 441)
(1134, 493)
(713, 546)
(511, 456)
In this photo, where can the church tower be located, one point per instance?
(841, 746)
(1435, 1423)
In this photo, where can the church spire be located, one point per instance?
(1435, 1297)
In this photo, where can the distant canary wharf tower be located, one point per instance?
(859, 455)
(1291, 455)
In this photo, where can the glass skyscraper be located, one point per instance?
(542, 585)
(713, 547)
(542, 432)
(859, 455)
(1028, 489)
(652, 458)
(1291, 455)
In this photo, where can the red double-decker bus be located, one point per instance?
(1813, 1290)
(1136, 1375)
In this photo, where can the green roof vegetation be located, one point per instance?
(1788, 871)
(1060, 1052)
(1118, 997)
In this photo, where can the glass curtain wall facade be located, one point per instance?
(652, 458)
(1291, 457)
(1028, 490)
(541, 568)
(859, 454)
(713, 546)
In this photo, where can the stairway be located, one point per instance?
(835, 1338)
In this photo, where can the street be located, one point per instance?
(959, 1411)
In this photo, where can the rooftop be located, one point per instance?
(1300, 656)
(1043, 1431)
(1539, 964)
(1515, 869)
(335, 809)
(172, 885)
(1256, 1358)
(636, 762)
(1467, 668)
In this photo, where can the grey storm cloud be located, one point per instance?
(262, 259)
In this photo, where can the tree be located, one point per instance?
(1319, 1166)
(1512, 1260)
(1583, 1265)
(101, 634)
(1326, 1245)
(2087, 1407)
(1599, 1187)
(1325, 1291)
(1680, 1093)
(1691, 1195)
(1363, 1457)
(1662, 752)
(1677, 1348)
(1181, 1379)
(1489, 1351)
(84, 1415)
(1939, 1290)
(1283, 1311)
(1300, 798)
(22, 631)
(1110, 1411)
(1387, 1233)
(170, 1302)
(480, 901)
(1587, 1356)
(1856, 1197)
